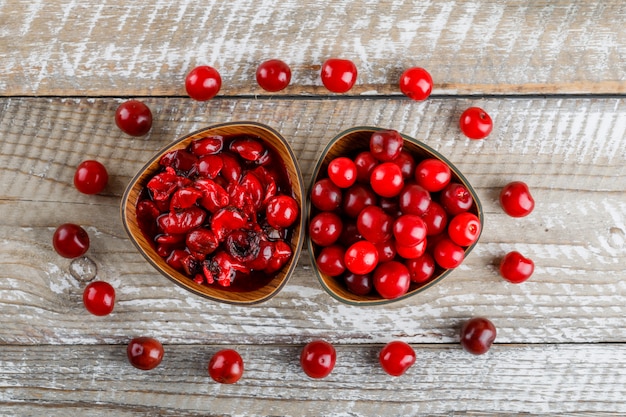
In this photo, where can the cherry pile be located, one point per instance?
(221, 211)
(383, 219)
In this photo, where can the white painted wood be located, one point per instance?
(113, 47)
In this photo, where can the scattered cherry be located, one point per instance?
(99, 298)
(226, 366)
(273, 75)
(516, 268)
(91, 177)
(477, 335)
(475, 123)
(318, 358)
(203, 83)
(144, 353)
(133, 117)
(396, 357)
(338, 75)
(516, 200)
(416, 83)
(70, 240)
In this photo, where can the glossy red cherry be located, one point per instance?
(365, 163)
(325, 195)
(330, 260)
(338, 75)
(411, 251)
(436, 219)
(99, 298)
(358, 284)
(386, 179)
(391, 279)
(226, 366)
(361, 257)
(421, 268)
(516, 200)
(203, 83)
(396, 357)
(134, 118)
(477, 335)
(282, 211)
(91, 177)
(325, 228)
(432, 174)
(414, 199)
(448, 254)
(386, 250)
(416, 83)
(455, 198)
(409, 230)
(273, 75)
(144, 353)
(356, 198)
(342, 172)
(475, 123)
(70, 240)
(386, 145)
(464, 229)
(374, 224)
(406, 162)
(318, 358)
(516, 268)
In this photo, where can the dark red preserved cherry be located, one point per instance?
(516, 268)
(318, 358)
(391, 279)
(226, 366)
(91, 177)
(203, 83)
(282, 211)
(396, 357)
(145, 353)
(325, 195)
(477, 335)
(338, 75)
(99, 298)
(134, 118)
(516, 200)
(70, 240)
(455, 198)
(273, 75)
(386, 145)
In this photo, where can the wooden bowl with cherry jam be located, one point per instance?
(387, 217)
(219, 212)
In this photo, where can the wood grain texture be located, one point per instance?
(552, 380)
(114, 47)
(571, 152)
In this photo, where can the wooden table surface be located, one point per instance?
(551, 74)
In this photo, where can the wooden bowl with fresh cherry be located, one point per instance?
(219, 212)
(388, 217)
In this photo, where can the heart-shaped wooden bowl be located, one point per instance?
(350, 143)
(274, 141)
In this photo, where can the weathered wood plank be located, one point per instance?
(585, 380)
(114, 47)
(571, 152)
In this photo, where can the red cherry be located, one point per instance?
(477, 335)
(416, 83)
(386, 250)
(356, 198)
(411, 251)
(226, 366)
(421, 268)
(406, 162)
(365, 163)
(342, 172)
(516, 200)
(516, 268)
(386, 145)
(374, 224)
(282, 211)
(70, 240)
(330, 260)
(318, 358)
(338, 75)
(386, 179)
(358, 284)
(455, 198)
(361, 257)
(203, 83)
(90, 177)
(448, 254)
(325, 228)
(409, 230)
(464, 229)
(134, 118)
(475, 123)
(432, 174)
(99, 298)
(273, 75)
(414, 199)
(391, 279)
(396, 357)
(325, 195)
(144, 353)
(436, 219)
